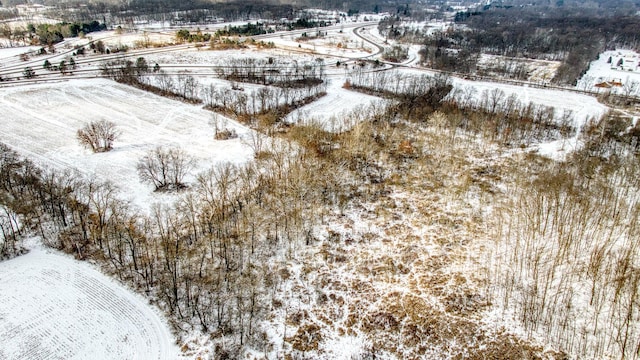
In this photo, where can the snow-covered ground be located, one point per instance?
(538, 70)
(582, 107)
(614, 66)
(41, 121)
(54, 307)
(577, 107)
(11, 52)
(331, 110)
(334, 43)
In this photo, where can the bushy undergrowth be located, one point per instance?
(405, 233)
(567, 265)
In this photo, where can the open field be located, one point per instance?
(54, 307)
(331, 111)
(623, 70)
(41, 121)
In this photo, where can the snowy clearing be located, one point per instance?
(334, 43)
(538, 70)
(40, 122)
(582, 107)
(54, 307)
(619, 68)
(10, 52)
(331, 110)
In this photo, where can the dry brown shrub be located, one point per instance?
(226, 134)
(307, 338)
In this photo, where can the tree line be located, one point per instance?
(208, 258)
(574, 36)
(566, 262)
(273, 72)
(294, 85)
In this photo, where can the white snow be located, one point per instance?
(601, 70)
(344, 44)
(557, 149)
(41, 121)
(331, 110)
(54, 307)
(582, 107)
(16, 51)
(346, 347)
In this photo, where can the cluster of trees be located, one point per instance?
(266, 105)
(165, 168)
(127, 71)
(272, 72)
(454, 60)
(396, 53)
(249, 29)
(208, 258)
(570, 233)
(294, 86)
(572, 35)
(306, 22)
(98, 135)
(48, 34)
(507, 120)
(64, 66)
(99, 47)
(225, 43)
(396, 85)
(184, 35)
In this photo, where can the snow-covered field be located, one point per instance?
(582, 107)
(331, 110)
(614, 66)
(54, 307)
(538, 70)
(11, 52)
(41, 121)
(334, 43)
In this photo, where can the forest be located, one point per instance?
(217, 259)
(430, 225)
(572, 35)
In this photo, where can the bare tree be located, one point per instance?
(165, 168)
(98, 135)
(630, 87)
